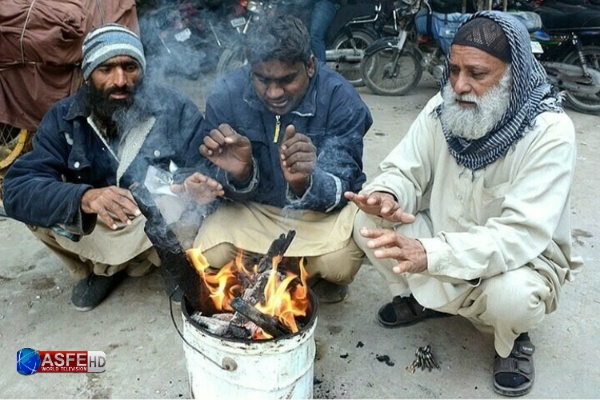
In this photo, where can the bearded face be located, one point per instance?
(112, 85)
(105, 105)
(473, 123)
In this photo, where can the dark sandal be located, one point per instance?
(405, 311)
(520, 363)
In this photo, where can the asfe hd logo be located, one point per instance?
(30, 361)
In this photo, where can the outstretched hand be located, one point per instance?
(298, 159)
(112, 204)
(230, 151)
(381, 204)
(199, 188)
(386, 243)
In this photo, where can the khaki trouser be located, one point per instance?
(104, 251)
(504, 305)
(324, 240)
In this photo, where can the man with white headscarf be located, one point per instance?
(470, 215)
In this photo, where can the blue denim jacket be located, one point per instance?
(44, 187)
(332, 115)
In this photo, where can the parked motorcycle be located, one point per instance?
(392, 66)
(352, 30)
(247, 13)
(569, 51)
(568, 47)
(182, 37)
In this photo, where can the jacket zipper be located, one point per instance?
(277, 128)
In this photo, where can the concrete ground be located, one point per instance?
(145, 356)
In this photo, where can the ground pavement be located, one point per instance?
(145, 356)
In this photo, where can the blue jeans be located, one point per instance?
(323, 13)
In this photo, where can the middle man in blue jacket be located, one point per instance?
(284, 136)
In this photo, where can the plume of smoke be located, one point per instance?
(183, 38)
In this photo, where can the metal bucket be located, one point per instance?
(220, 368)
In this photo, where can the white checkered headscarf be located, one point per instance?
(530, 95)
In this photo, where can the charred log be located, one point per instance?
(277, 249)
(270, 325)
(254, 288)
(174, 259)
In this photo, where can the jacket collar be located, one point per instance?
(79, 106)
(306, 108)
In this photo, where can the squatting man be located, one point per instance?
(72, 188)
(470, 214)
(284, 137)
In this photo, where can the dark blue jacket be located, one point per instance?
(44, 187)
(332, 115)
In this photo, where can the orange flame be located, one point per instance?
(282, 299)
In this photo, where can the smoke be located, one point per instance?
(183, 38)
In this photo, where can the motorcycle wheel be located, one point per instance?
(592, 58)
(390, 72)
(230, 59)
(362, 38)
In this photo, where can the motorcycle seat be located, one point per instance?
(531, 20)
(559, 21)
(351, 12)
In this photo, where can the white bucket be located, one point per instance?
(220, 368)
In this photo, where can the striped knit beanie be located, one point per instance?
(110, 41)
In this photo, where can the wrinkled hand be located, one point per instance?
(112, 204)
(386, 243)
(298, 159)
(230, 151)
(381, 204)
(200, 188)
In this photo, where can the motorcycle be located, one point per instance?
(246, 14)
(568, 47)
(392, 66)
(183, 37)
(352, 30)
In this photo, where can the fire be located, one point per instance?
(284, 299)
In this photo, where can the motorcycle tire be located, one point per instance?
(230, 59)
(581, 104)
(390, 72)
(363, 38)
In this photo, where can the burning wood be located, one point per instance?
(221, 327)
(263, 299)
(263, 302)
(270, 325)
(254, 285)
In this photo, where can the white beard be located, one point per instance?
(476, 122)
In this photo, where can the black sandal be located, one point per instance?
(404, 311)
(519, 364)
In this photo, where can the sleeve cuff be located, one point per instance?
(439, 263)
(249, 185)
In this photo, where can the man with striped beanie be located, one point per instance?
(110, 41)
(470, 215)
(72, 188)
